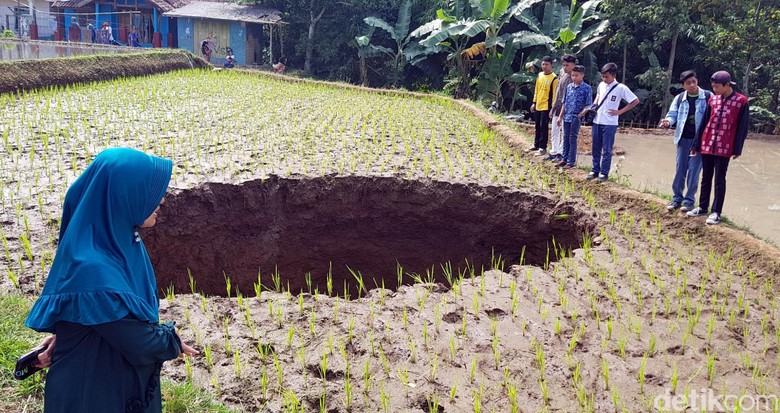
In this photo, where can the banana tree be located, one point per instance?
(452, 35)
(495, 73)
(399, 33)
(455, 28)
(565, 28)
(498, 70)
(499, 13)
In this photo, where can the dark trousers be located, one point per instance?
(717, 166)
(542, 123)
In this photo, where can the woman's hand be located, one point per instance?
(44, 359)
(188, 350)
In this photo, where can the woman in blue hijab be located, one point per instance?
(100, 298)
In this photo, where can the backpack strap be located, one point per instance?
(601, 100)
(550, 97)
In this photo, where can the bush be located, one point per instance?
(7, 34)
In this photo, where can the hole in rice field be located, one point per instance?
(293, 230)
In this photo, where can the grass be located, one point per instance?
(26, 395)
(186, 398)
(15, 340)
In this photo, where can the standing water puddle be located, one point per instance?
(752, 194)
(32, 50)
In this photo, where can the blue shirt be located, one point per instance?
(577, 98)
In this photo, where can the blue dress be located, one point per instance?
(100, 295)
(111, 367)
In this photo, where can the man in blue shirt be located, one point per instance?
(578, 96)
(687, 122)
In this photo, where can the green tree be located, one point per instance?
(451, 33)
(668, 21)
(744, 38)
(569, 29)
(399, 33)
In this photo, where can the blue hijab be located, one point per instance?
(101, 272)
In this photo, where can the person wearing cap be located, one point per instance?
(544, 93)
(720, 138)
(686, 113)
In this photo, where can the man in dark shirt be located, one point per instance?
(687, 113)
(721, 137)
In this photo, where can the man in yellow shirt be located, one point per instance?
(546, 88)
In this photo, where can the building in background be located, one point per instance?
(229, 25)
(17, 17)
(124, 16)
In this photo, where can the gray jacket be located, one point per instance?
(563, 81)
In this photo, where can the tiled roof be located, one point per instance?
(71, 4)
(227, 11)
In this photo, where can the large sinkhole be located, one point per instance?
(344, 225)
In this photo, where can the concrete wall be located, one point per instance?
(46, 23)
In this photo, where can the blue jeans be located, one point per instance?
(571, 131)
(686, 174)
(603, 141)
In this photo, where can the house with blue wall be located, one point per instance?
(145, 17)
(226, 25)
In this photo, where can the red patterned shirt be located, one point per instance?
(727, 125)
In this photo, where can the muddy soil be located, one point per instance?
(575, 336)
(584, 140)
(648, 304)
(338, 227)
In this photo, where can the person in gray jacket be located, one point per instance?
(686, 122)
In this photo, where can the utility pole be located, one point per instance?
(32, 12)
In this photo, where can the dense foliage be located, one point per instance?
(458, 45)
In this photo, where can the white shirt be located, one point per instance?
(621, 92)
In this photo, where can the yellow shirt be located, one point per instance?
(542, 91)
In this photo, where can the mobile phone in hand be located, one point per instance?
(25, 365)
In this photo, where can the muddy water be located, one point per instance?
(30, 50)
(753, 191)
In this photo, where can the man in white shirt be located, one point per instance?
(609, 95)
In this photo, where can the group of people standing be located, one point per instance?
(104, 35)
(710, 128)
(568, 101)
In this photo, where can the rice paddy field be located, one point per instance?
(328, 249)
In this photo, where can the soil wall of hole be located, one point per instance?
(369, 224)
(756, 253)
(35, 74)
